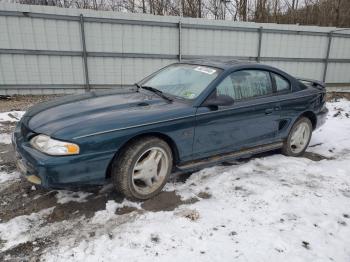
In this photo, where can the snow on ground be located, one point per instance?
(272, 208)
(14, 231)
(65, 196)
(5, 138)
(9, 117)
(269, 209)
(6, 176)
(334, 137)
(109, 213)
(12, 116)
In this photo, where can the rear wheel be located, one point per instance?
(298, 138)
(143, 168)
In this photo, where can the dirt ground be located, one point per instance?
(22, 103)
(21, 198)
(337, 95)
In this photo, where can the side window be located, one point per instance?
(246, 84)
(281, 83)
(226, 88)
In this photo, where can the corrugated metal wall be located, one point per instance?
(42, 48)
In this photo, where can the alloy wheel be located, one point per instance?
(150, 170)
(300, 137)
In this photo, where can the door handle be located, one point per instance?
(268, 111)
(277, 108)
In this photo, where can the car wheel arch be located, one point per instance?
(308, 114)
(311, 116)
(166, 138)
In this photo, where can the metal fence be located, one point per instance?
(56, 50)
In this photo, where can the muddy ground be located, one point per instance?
(21, 198)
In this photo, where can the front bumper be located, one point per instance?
(60, 171)
(23, 169)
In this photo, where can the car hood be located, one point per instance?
(80, 115)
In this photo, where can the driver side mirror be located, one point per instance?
(220, 100)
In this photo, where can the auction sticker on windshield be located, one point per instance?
(205, 70)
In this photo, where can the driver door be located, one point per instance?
(252, 120)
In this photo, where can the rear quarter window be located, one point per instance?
(282, 84)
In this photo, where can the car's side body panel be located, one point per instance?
(235, 127)
(180, 130)
(295, 104)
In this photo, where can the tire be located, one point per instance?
(142, 169)
(293, 148)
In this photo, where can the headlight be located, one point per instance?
(54, 147)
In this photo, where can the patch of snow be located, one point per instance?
(65, 196)
(5, 176)
(12, 116)
(111, 207)
(333, 138)
(15, 231)
(5, 138)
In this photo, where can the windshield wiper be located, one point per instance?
(156, 91)
(137, 85)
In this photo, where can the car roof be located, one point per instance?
(222, 63)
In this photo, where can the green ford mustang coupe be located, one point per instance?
(182, 118)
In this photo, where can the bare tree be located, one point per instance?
(315, 12)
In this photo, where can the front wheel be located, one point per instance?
(142, 169)
(298, 138)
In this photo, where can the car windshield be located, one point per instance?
(183, 80)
